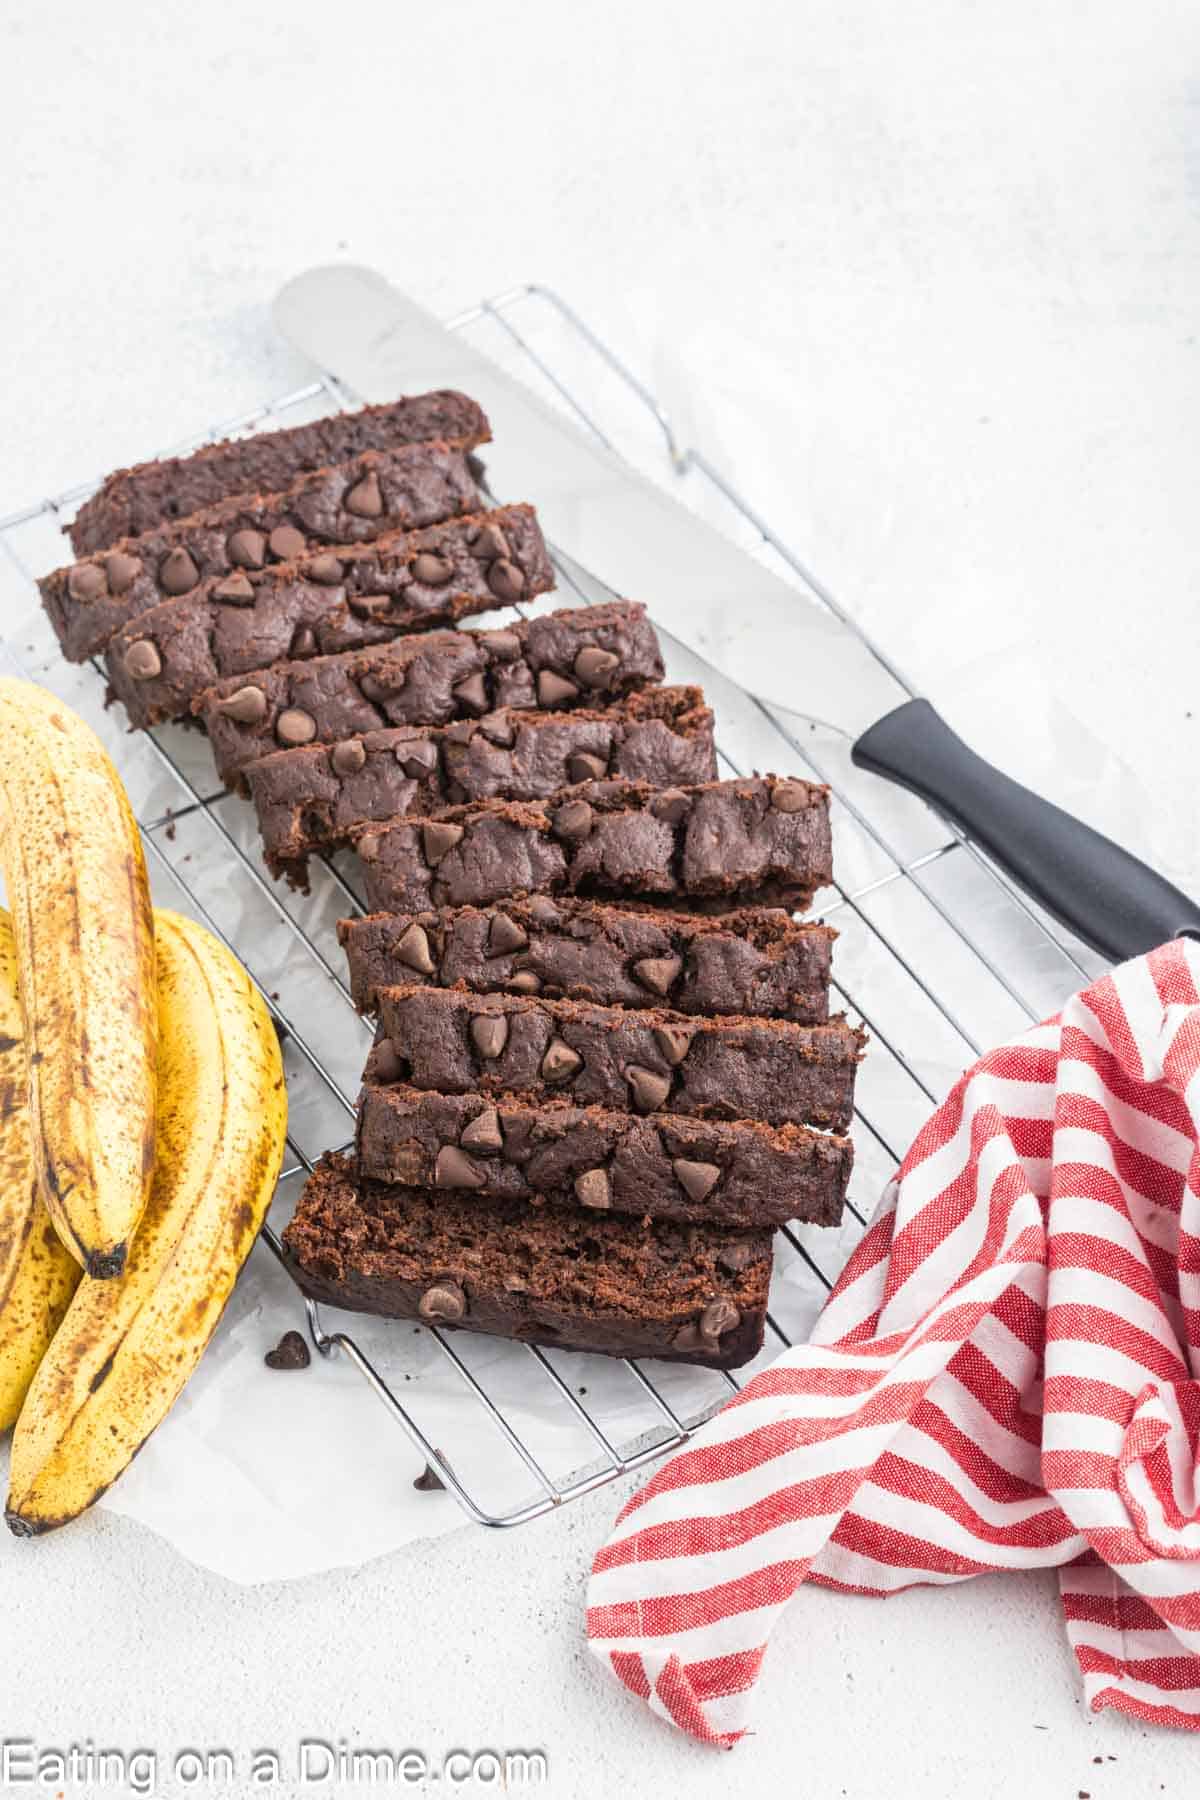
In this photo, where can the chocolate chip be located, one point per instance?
(498, 728)
(86, 581)
(488, 543)
(432, 571)
(291, 1352)
(574, 820)
(236, 590)
(286, 543)
(365, 498)
(294, 726)
(658, 972)
(369, 606)
(671, 806)
(348, 757)
(438, 839)
(506, 581)
(593, 1189)
(525, 982)
(718, 1317)
(303, 645)
(177, 573)
(789, 797)
(386, 1066)
(489, 1034)
(472, 693)
(444, 1303)
(505, 646)
(555, 690)
(454, 1170)
(544, 910)
(413, 950)
(417, 760)
(429, 1482)
(386, 682)
(648, 1087)
(484, 1133)
(142, 661)
(594, 666)
(697, 1179)
(247, 706)
(122, 571)
(736, 1256)
(368, 846)
(247, 549)
(674, 1041)
(560, 1061)
(326, 570)
(459, 731)
(505, 935)
(583, 766)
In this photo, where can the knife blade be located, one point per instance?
(773, 639)
(742, 617)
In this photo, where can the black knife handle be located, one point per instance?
(1101, 893)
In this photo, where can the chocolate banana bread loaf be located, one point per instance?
(381, 491)
(729, 842)
(648, 1061)
(572, 1280)
(710, 1171)
(314, 798)
(759, 961)
(607, 650)
(134, 500)
(323, 603)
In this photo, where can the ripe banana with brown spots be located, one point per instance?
(76, 882)
(127, 1346)
(37, 1275)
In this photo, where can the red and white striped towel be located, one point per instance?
(1005, 1377)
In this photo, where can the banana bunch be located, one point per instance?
(129, 1343)
(76, 883)
(37, 1275)
(142, 1122)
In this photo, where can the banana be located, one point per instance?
(37, 1275)
(128, 1345)
(77, 887)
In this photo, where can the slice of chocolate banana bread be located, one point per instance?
(134, 500)
(381, 491)
(647, 1061)
(325, 602)
(709, 1171)
(315, 798)
(725, 842)
(554, 662)
(571, 1280)
(757, 961)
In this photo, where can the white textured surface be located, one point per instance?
(961, 244)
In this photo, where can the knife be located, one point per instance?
(770, 637)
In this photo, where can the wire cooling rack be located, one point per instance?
(938, 956)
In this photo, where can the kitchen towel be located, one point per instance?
(1006, 1376)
